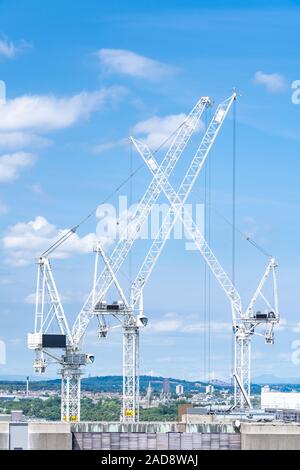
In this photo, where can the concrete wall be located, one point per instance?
(18, 436)
(99, 435)
(275, 436)
(209, 422)
(154, 427)
(104, 426)
(154, 436)
(49, 436)
(4, 436)
(155, 441)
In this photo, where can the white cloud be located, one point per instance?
(274, 82)
(30, 299)
(107, 146)
(3, 208)
(296, 329)
(173, 322)
(251, 226)
(156, 130)
(12, 164)
(285, 356)
(26, 240)
(20, 140)
(46, 112)
(215, 327)
(166, 325)
(257, 355)
(129, 63)
(37, 188)
(22, 119)
(9, 49)
(283, 325)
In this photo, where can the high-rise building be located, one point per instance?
(149, 395)
(179, 389)
(209, 389)
(166, 387)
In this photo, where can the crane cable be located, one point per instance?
(243, 234)
(74, 229)
(233, 221)
(233, 191)
(130, 204)
(209, 272)
(207, 275)
(205, 281)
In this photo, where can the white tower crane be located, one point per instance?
(73, 359)
(244, 323)
(131, 326)
(50, 313)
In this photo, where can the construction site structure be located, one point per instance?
(130, 313)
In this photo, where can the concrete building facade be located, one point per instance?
(149, 436)
(279, 400)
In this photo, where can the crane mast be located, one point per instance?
(131, 325)
(245, 329)
(49, 310)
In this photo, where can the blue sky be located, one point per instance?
(80, 78)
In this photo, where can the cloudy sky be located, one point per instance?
(80, 78)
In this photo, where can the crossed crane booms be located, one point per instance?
(160, 184)
(177, 201)
(142, 211)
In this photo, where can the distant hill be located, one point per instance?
(19, 377)
(269, 379)
(114, 383)
(110, 383)
(220, 383)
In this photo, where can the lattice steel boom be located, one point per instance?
(126, 241)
